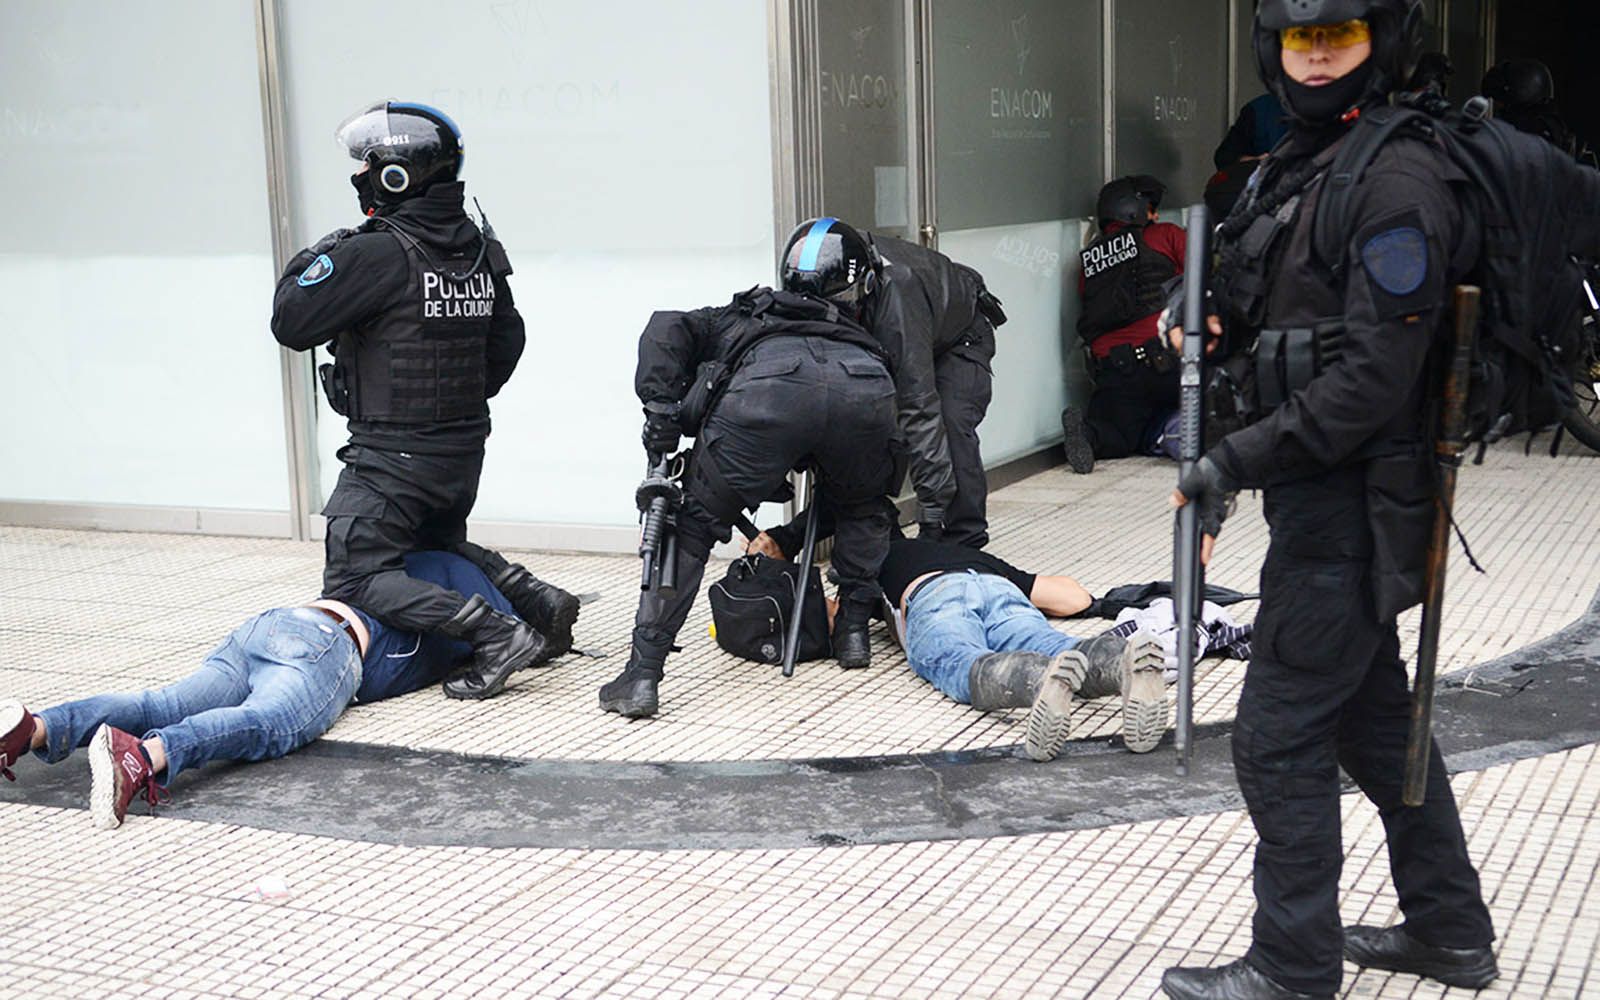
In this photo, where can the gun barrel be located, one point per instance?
(1188, 579)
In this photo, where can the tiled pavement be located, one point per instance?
(1091, 913)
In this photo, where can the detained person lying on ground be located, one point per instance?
(278, 682)
(975, 629)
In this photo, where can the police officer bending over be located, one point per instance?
(937, 320)
(1127, 274)
(415, 306)
(805, 382)
(1341, 455)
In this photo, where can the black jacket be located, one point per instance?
(1369, 408)
(928, 306)
(674, 344)
(370, 271)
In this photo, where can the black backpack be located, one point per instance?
(1535, 209)
(750, 608)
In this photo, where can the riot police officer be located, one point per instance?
(1345, 468)
(766, 382)
(1524, 95)
(1127, 275)
(415, 306)
(937, 320)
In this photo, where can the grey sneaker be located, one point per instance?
(1144, 693)
(1049, 723)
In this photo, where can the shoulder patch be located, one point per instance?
(1397, 260)
(320, 270)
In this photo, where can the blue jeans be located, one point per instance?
(274, 685)
(957, 617)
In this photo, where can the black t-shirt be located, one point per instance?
(909, 558)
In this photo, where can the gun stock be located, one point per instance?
(1447, 453)
(1188, 575)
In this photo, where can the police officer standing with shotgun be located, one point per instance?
(1343, 351)
(770, 380)
(415, 306)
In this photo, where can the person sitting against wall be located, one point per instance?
(1128, 272)
(973, 626)
(278, 682)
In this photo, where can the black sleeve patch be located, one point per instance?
(1404, 275)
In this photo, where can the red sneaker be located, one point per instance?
(118, 771)
(16, 735)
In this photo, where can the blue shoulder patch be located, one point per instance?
(1397, 260)
(320, 270)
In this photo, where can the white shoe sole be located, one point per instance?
(102, 781)
(1049, 723)
(1144, 693)
(11, 715)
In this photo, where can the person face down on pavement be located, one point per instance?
(415, 306)
(975, 629)
(1344, 463)
(773, 380)
(936, 319)
(276, 683)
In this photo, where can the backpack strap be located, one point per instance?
(1331, 228)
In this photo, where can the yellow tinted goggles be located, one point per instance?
(1338, 36)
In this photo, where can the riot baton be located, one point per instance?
(1188, 575)
(1447, 454)
(791, 642)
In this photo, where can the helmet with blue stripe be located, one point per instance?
(407, 147)
(829, 259)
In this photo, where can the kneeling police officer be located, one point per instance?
(415, 306)
(804, 382)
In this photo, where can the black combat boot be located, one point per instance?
(851, 645)
(1006, 680)
(1235, 981)
(1075, 437)
(501, 645)
(546, 607)
(635, 693)
(1392, 949)
(1103, 657)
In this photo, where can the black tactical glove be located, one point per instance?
(930, 531)
(661, 432)
(1212, 491)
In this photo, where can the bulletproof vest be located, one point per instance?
(1123, 281)
(424, 359)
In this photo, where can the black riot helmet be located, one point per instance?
(1129, 200)
(830, 260)
(407, 147)
(1396, 27)
(1520, 83)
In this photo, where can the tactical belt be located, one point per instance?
(1153, 353)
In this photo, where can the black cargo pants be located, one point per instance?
(385, 505)
(1128, 400)
(1327, 689)
(965, 383)
(792, 399)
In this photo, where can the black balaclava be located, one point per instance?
(365, 193)
(1321, 106)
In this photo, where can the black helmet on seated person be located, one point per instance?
(829, 259)
(1519, 83)
(1396, 28)
(406, 147)
(1129, 200)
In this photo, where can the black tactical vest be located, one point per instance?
(1122, 282)
(423, 360)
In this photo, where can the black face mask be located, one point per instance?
(1317, 106)
(365, 194)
